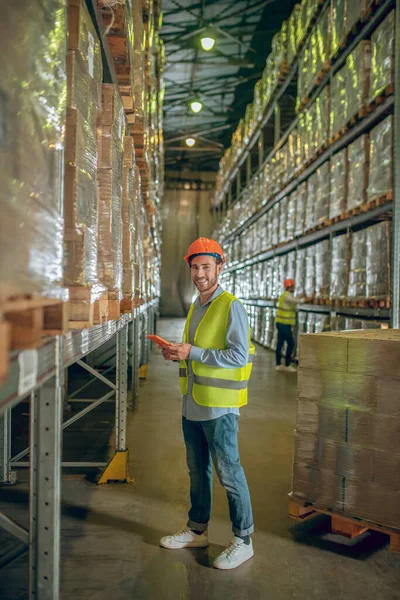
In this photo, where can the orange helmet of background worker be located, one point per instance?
(204, 246)
(288, 283)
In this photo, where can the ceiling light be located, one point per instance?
(196, 106)
(207, 43)
(190, 142)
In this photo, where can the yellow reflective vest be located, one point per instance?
(285, 314)
(214, 386)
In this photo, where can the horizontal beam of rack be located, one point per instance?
(311, 238)
(381, 111)
(362, 312)
(77, 344)
(365, 32)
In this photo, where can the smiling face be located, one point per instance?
(205, 273)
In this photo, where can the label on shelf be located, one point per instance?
(85, 341)
(28, 370)
(91, 54)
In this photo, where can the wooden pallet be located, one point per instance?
(348, 526)
(380, 200)
(380, 98)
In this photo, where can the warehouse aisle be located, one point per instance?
(110, 534)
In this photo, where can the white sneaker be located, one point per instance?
(185, 538)
(279, 368)
(290, 369)
(236, 553)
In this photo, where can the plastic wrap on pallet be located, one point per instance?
(310, 273)
(310, 323)
(339, 267)
(338, 184)
(32, 99)
(283, 216)
(378, 261)
(358, 76)
(321, 124)
(321, 206)
(111, 133)
(356, 12)
(321, 44)
(280, 48)
(358, 172)
(312, 190)
(301, 203)
(380, 181)
(128, 221)
(269, 229)
(293, 153)
(383, 50)
(139, 55)
(358, 265)
(276, 286)
(308, 9)
(322, 323)
(300, 278)
(338, 20)
(339, 101)
(290, 269)
(275, 223)
(266, 184)
(305, 77)
(304, 150)
(291, 216)
(322, 269)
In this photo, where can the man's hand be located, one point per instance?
(176, 351)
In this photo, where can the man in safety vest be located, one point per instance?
(216, 359)
(285, 321)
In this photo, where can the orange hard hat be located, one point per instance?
(288, 283)
(204, 246)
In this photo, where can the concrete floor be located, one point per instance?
(110, 534)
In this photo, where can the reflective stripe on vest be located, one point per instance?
(215, 386)
(285, 316)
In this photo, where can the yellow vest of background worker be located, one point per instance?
(213, 386)
(286, 314)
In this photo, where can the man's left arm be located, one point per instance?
(237, 339)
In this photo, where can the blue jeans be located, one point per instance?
(216, 441)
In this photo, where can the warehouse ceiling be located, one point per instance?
(222, 80)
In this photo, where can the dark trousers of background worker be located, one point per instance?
(285, 334)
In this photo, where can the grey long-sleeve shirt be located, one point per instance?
(236, 355)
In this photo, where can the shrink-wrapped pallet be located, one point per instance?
(378, 261)
(275, 223)
(111, 130)
(81, 200)
(356, 12)
(358, 265)
(321, 207)
(338, 23)
(266, 184)
(321, 45)
(339, 267)
(294, 25)
(269, 226)
(283, 217)
(138, 65)
(347, 429)
(322, 269)
(380, 180)
(276, 278)
(310, 323)
(268, 274)
(306, 74)
(358, 65)
(358, 157)
(140, 219)
(290, 271)
(310, 274)
(338, 184)
(382, 67)
(312, 190)
(301, 203)
(339, 101)
(128, 224)
(300, 278)
(291, 216)
(321, 124)
(308, 10)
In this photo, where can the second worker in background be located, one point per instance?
(285, 321)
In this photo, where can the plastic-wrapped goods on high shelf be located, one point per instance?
(339, 267)
(380, 182)
(276, 278)
(258, 104)
(358, 77)
(312, 191)
(339, 101)
(300, 278)
(310, 272)
(347, 447)
(255, 195)
(356, 11)
(291, 216)
(383, 52)
(237, 214)
(378, 261)
(290, 270)
(282, 235)
(321, 44)
(321, 108)
(257, 281)
(265, 184)
(32, 98)
(139, 57)
(306, 75)
(338, 184)
(338, 24)
(275, 223)
(358, 265)
(262, 233)
(271, 331)
(293, 153)
(128, 225)
(268, 233)
(358, 172)
(322, 323)
(321, 206)
(304, 147)
(111, 130)
(236, 255)
(140, 218)
(294, 25)
(81, 200)
(308, 10)
(301, 203)
(267, 274)
(322, 269)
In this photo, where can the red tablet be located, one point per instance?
(158, 340)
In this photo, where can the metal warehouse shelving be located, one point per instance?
(39, 376)
(242, 169)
